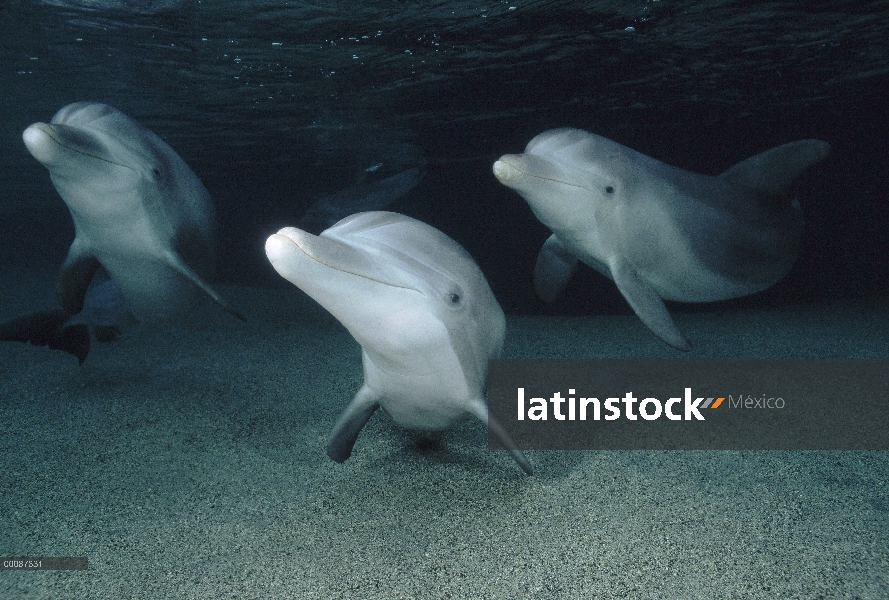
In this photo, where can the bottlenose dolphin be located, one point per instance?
(660, 232)
(138, 211)
(420, 308)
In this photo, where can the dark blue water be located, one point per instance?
(275, 104)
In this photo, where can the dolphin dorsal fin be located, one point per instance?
(774, 170)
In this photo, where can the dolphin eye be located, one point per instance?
(453, 296)
(157, 172)
(609, 190)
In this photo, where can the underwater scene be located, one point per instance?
(256, 256)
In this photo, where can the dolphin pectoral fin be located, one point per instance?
(348, 426)
(648, 305)
(774, 170)
(74, 277)
(174, 261)
(48, 328)
(478, 408)
(554, 267)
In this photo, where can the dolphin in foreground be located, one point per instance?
(420, 308)
(659, 232)
(138, 211)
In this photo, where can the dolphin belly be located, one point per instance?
(424, 412)
(154, 291)
(423, 393)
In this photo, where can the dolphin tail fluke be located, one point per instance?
(342, 438)
(647, 305)
(176, 262)
(554, 267)
(496, 430)
(774, 170)
(47, 328)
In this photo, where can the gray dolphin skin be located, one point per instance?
(659, 232)
(420, 308)
(138, 211)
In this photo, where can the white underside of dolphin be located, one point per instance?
(420, 308)
(138, 211)
(660, 232)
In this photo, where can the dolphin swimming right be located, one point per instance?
(659, 232)
(420, 308)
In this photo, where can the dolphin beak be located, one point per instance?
(54, 144)
(505, 171)
(288, 248)
(39, 141)
(526, 173)
(281, 244)
(329, 252)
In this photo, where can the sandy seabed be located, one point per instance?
(188, 462)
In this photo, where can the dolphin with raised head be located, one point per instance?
(420, 308)
(659, 232)
(138, 211)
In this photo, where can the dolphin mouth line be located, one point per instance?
(527, 174)
(342, 270)
(50, 131)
